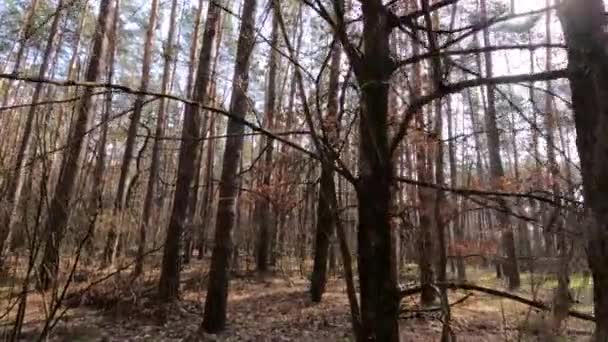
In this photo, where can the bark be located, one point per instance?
(561, 298)
(497, 173)
(109, 251)
(458, 225)
(424, 241)
(169, 55)
(16, 177)
(190, 222)
(263, 201)
(96, 200)
(550, 232)
(128, 155)
(378, 281)
(214, 319)
(325, 218)
(439, 197)
(324, 230)
(207, 200)
(26, 32)
(170, 272)
(584, 24)
(194, 48)
(60, 203)
(208, 191)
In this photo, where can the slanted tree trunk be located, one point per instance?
(169, 55)
(60, 203)
(584, 23)
(214, 319)
(170, 274)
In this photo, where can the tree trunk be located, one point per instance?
(190, 222)
(263, 200)
(119, 202)
(497, 173)
(325, 218)
(325, 228)
(424, 241)
(60, 203)
(378, 281)
(458, 223)
(584, 29)
(25, 38)
(96, 200)
(169, 55)
(169, 278)
(111, 240)
(16, 177)
(217, 291)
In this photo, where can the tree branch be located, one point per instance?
(501, 294)
(456, 87)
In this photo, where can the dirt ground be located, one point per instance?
(271, 308)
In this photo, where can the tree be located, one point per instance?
(325, 225)
(169, 55)
(60, 203)
(497, 172)
(214, 319)
(169, 278)
(263, 204)
(583, 24)
(134, 124)
(373, 68)
(16, 179)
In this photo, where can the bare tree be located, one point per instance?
(583, 23)
(60, 203)
(169, 278)
(214, 319)
(169, 55)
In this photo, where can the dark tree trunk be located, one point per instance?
(326, 218)
(214, 319)
(325, 228)
(377, 278)
(60, 203)
(170, 272)
(584, 25)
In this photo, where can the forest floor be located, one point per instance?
(268, 308)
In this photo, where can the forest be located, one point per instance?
(304, 170)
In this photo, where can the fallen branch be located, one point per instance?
(501, 294)
(435, 309)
